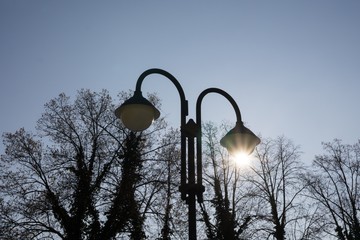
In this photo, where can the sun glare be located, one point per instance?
(241, 159)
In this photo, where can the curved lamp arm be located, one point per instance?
(198, 120)
(183, 113)
(250, 141)
(184, 102)
(221, 92)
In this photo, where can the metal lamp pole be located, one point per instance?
(191, 187)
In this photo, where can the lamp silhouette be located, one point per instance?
(137, 114)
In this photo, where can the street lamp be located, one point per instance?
(137, 114)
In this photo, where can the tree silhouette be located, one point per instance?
(275, 188)
(84, 176)
(335, 183)
(223, 215)
(80, 177)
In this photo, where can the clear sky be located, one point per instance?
(293, 67)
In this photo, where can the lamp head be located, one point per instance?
(137, 113)
(240, 139)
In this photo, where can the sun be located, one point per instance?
(241, 159)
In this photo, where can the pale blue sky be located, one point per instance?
(292, 66)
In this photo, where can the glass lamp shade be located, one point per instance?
(240, 139)
(137, 113)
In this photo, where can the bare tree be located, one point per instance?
(276, 188)
(334, 183)
(81, 177)
(168, 208)
(223, 214)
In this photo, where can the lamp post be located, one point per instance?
(137, 114)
